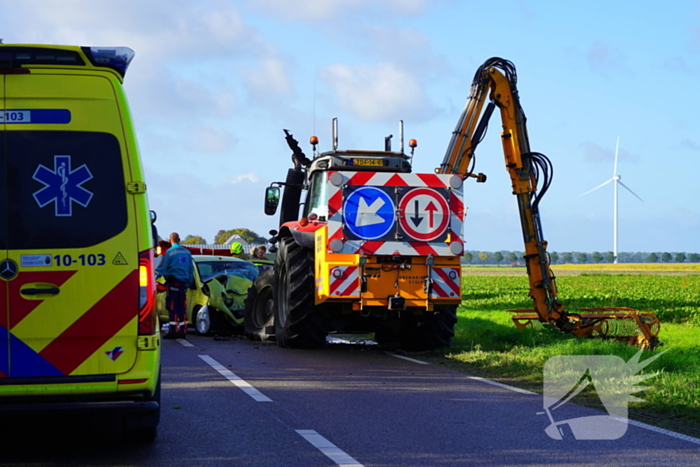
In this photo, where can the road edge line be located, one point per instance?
(643, 425)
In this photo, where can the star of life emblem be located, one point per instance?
(62, 186)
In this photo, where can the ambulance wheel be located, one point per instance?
(298, 323)
(432, 330)
(259, 314)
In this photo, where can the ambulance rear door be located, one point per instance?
(73, 304)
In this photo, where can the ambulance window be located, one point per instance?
(65, 189)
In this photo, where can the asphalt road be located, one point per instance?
(235, 402)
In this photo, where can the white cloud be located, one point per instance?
(189, 204)
(269, 80)
(157, 28)
(380, 92)
(408, 47)
(155, 92)
(210, 139)
(181, 46)
(250, 176)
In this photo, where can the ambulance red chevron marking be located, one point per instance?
(21, 307)
(104, 320)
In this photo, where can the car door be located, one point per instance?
(73, 305)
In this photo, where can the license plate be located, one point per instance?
(369, 162)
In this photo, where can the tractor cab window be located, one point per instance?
(317, 201)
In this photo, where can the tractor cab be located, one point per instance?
(314, 175)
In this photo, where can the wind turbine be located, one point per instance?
(616, 180)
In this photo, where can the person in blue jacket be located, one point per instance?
(178, 271)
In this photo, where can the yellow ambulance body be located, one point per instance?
(77, 318)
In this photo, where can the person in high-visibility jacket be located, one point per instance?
(237, 251)
(178, 271)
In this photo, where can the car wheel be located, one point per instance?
(259, 308)
(202, 320)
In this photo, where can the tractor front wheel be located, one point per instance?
(298, 323)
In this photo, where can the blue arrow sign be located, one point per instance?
(62, 186)
(369, 212)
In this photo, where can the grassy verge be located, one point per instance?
(486, 340)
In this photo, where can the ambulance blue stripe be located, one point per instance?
(24, 361)
(4, 357)
(35, 116)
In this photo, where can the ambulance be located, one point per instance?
(78, 325)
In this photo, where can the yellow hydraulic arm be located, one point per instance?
(495, 82)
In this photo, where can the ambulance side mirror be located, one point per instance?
(154, 232)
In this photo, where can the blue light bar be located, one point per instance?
(117, 58)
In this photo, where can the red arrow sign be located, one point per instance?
(431, 208)
(421, 202)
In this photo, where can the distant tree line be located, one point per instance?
(223, 235)
(515, 258)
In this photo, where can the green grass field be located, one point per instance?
(486, 339)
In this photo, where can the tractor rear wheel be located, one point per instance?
(259, 307)
(430, 331)
(298, 323)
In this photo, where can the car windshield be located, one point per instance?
(244, 269)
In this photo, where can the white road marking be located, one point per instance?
(504, 386)
(646, 426)
(337, 455)
(407, 358)
(229, 375)
(662, 431)
(344, 460)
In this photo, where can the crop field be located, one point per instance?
(486, 339)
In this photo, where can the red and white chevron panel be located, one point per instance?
(451, 183)
(345, 281)
(446, 283)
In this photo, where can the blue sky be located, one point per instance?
(214, 82)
